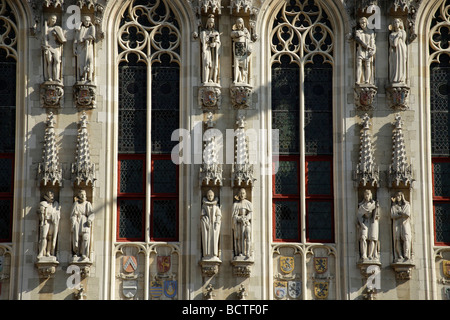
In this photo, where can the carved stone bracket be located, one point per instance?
(398, 96)
(84, 266)
(365, 96)
(242, 267)
(84, 95)
(47, 266)
(403, 270)
(51, 94)
(209, 97)
(241, 96)
(369, 268)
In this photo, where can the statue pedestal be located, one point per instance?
(369, 267)
(365, 96)
(51, 93)
(84, 265)
(242, 266)
(46, 266)
(397, 94)
(210, 266)
(403, 269)
(84, 94)
(210, 96)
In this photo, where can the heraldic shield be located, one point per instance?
(446, 268)
(129, 288)
(320, 264)
(280, 289)
(156, 289)
(321, 289)
(129, 264)
(170, 288)
(287, 264)
(294, 289)
(163, 264)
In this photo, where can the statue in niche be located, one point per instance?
(210, 223)
(368, 221)
(210, 41)
(366, 48)
(242, 211)
(49, 216)
(401, 227)
(397, 53)
(81, 222)
(54, 39)
(241, 51)
(83, 49)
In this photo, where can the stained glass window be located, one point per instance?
(149, 90)
(440, 121)
(301, 88)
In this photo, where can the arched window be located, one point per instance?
(301, 89)
(439, 64)
(149, 86)
(8, 62)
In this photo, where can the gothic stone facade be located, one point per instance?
(347, 199)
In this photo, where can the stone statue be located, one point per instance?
(397, 53)
(401, 227)
(54, 39)
(242, 211)
(49, 216)
(241, 51)
(368, 220)
(366, 48)
(83, 49)
(210, 41)
(81, 221)
(210, 223)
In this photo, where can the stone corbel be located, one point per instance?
(403, 270)
(210, 267)
(242, 267)
(51, 94)
(84, 95)
(209, 97)
(365, 96)
(241, 96)
(398, 95)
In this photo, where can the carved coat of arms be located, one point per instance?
(294, 289)
(321, 289)
(163, 263)
(170, 288)
(287, 264)
(129, 288)
(129, 264)
(280, 289)
(156, 289)
(320, 264)
(446, 268)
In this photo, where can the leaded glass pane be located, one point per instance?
(7, 102)
(132, 109)
(285, 104)
(319, 177)
(5, 219)
(319, 217)
(131, 176)
(286, 220)
(165, 105)
(439, 107)
(441, 176)
(164, 219)
(6, 171)
(286, 178)
(164, 176)
(442, 222)
(131, 219)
